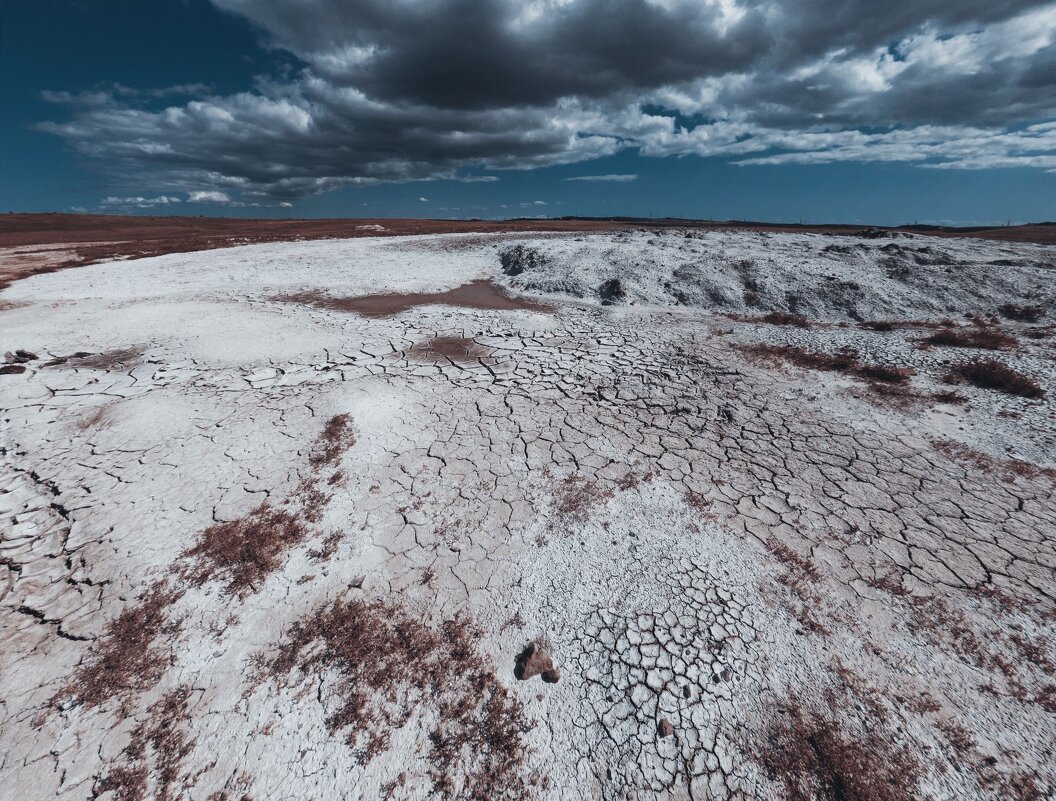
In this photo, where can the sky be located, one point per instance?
(854, 111)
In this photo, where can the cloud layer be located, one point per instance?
(396, 90)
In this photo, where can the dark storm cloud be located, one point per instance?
(395, 90)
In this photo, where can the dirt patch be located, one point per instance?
(389, 665)
(480, 294)
(126, 660)
(440, 349)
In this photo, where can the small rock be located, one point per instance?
(664, 728)
(19, 357)
(12, 369)
(535, 660)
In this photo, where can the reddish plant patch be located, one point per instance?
(1007, 469)
(992, 374)
(894, 325)
(125, 659)
(1023, 314)
(976, 337)
(157, 748)
(576, 497)
(337, 437)
(390, 666)
(844, 361)
(814, 760)
(243, 552)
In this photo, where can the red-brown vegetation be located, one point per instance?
(391, 666)
(992, 374)
(844, 361)
(815, 760)
(126, 659)
(157, 749)
(338, 436)
(243, 552)
(1023, 314)
(984, 338)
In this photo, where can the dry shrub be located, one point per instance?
(337, 437)
(1007, 469)
(245, 551)
(388, 667)
(983, 338)
(815, 760)
(786, 318)
(1023, 314)
(576, 497)
(774, 318)
(800, 576)
(158, 746)
(992, 374)
(125, 659)
(894, 325)
(844, 361)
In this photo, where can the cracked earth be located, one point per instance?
(643, 515)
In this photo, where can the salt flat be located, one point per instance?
(776, 520)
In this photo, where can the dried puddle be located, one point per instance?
(480, 294)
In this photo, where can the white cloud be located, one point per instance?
(208, 196)
(423, 200)
(137, 202)
(388, 96)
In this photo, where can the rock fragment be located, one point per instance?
(535, 660)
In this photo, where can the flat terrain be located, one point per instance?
(614, 513)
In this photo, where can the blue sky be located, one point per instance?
(487, 108)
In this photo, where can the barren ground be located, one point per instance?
(627, 514)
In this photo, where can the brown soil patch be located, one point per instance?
(389, 666)
(457, 349)
(480, 294)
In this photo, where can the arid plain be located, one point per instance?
(622, 511)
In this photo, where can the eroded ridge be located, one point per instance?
(308, 567)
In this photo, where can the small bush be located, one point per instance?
(992, 374)
(843, 361)
(245, 551)
(1023, 314)
(125, 659)
(390, 667)
(786, 318)
(983, 338)
(815, 761)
